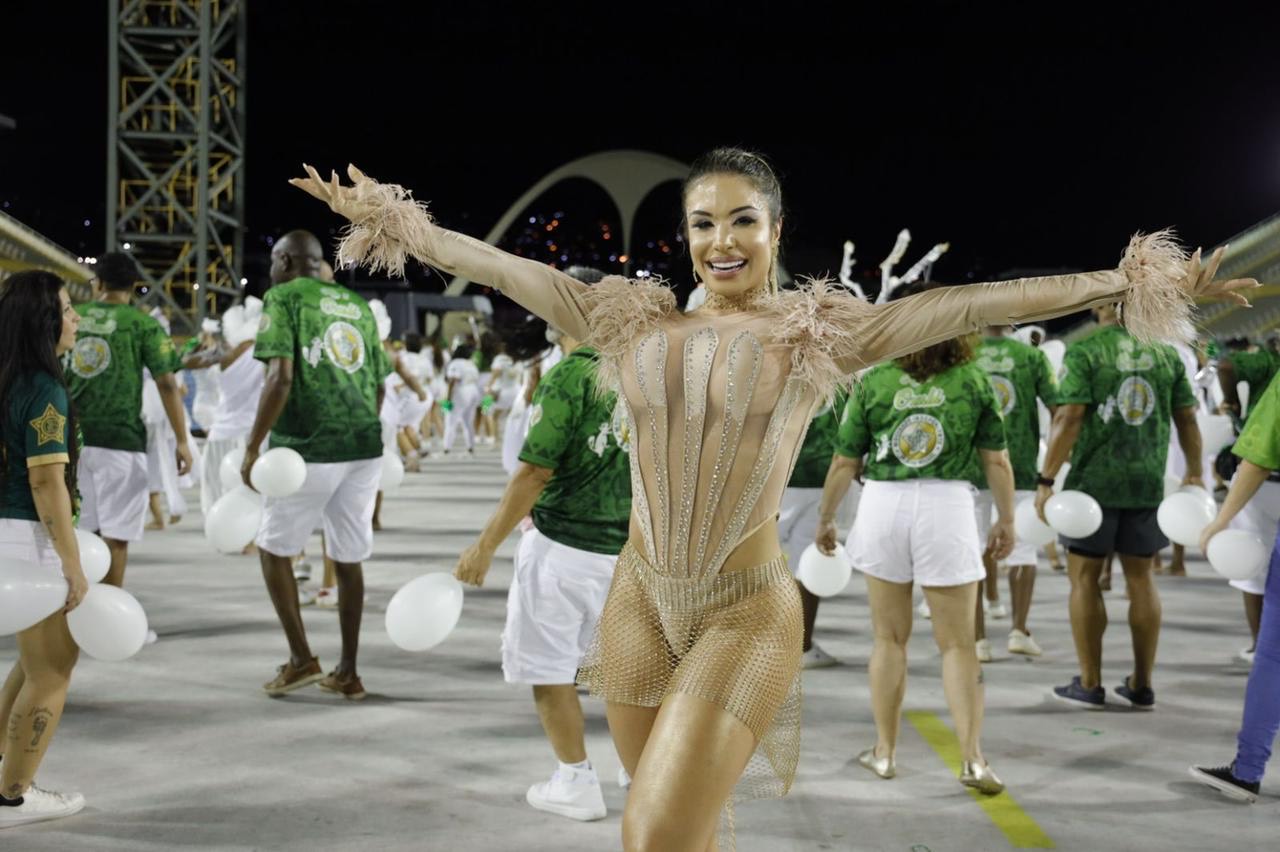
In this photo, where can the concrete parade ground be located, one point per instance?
(178, 748)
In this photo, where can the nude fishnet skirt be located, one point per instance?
(733, 639)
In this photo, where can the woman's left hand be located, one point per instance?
(77, 588)
(1000, 540)
(1199, 283)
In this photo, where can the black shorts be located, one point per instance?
(1131, 532)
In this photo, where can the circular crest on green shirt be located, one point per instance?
(90, 357)
(918, 440)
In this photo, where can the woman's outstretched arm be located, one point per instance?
(388, 226)
(1156, 283)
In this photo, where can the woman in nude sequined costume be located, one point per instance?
(698, 650)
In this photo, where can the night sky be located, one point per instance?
(1027, 143)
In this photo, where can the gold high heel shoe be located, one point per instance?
(882, 766)
(981, 778)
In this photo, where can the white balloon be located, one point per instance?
(1172, 484)
(392, 472)
(95, 556)
(1029, 527)
(1238, 554)
(824, 575)
(1203, 494)
(234, 520)
(1061, 478)
(229, 469)
(1182, 517)
(424, 612)
(278, 472)
(29, 593)
(1073, 514)
(109, 624)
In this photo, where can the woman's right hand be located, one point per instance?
(826, 538)
(77, 588)
(351, 202)
(1216, 526)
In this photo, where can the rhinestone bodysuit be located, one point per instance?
(718, 403)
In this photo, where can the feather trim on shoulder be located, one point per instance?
(619, 311)
(821, 322)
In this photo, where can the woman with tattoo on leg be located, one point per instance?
(37, 482)
(698, 650)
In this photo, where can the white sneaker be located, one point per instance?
(624, 780)
(572, 793)
(995, 609)
(1022, 643)
(307, 595)
(984, 650)
(923, 609)
(1245, 656)
(816, 658)
(39, 805)
(327, 598)
(302, 571)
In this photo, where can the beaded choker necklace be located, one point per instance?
(753, 298)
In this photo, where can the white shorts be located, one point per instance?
(798, 519)
(984, 507)
(920, 530)
(413, 410)
(336, 497)
(113, 492)
(1261, 515)
(27, 541)
(556, 595)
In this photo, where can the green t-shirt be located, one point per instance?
(1256, 369)
(113, 345)
(1131, 391)
(1019, 375)
(921, 430)
(587, 503)
(331, 336)
(814, 459)
(35, 433)
(1259, 441)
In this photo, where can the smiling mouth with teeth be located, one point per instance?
(728, 267)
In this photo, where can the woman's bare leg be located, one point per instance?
(47, 654)
(891, 623)
(953, 608)
(694, 755)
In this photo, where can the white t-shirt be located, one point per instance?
(241, 387)
(465, 371)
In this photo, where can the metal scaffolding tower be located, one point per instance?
(175, 148)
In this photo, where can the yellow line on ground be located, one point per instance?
(1021, 830)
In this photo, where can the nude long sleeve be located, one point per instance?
(547, 292)
(388, 226)
(897, 328)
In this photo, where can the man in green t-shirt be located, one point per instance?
(323, 390)
(114, 344)
(1116, 397)
(798, 514)
(575, 479)
(1020, 375)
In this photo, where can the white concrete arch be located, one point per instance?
(626, 176)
